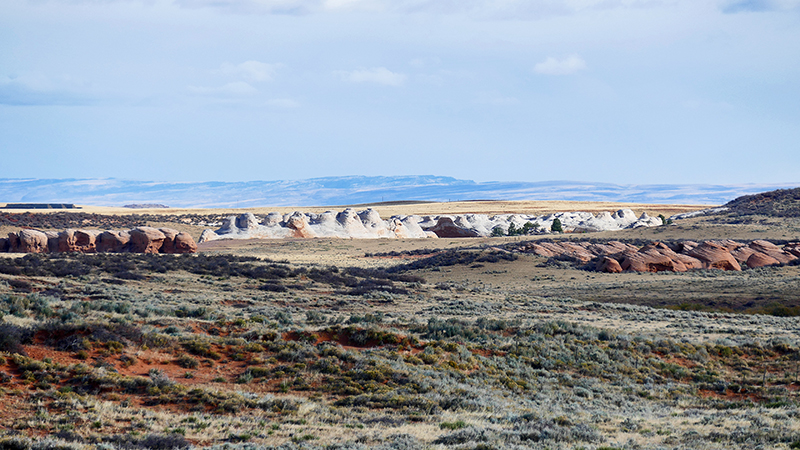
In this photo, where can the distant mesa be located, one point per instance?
(137, 240)
(40, 206)
(146, 206)
(368, 224)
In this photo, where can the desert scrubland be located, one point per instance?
(398, 343)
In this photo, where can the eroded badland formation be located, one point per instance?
(449, 326)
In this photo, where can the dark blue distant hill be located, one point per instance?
(334, 191)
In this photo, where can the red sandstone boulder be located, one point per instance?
(146, 240)
(792, 248)
(169, 240)
(759, 259)
(729, 245)
(743, 253)
(83, 241)
(772, 250)
(686, 246)
(113, 241)
(554, 248)
(539, 250)
(649, 261)
(610, 248)
(681, 263)
(609, 265)
(714, 256)
(30, 241)
(177, 242)
(184, 243)
(576, 251)
(446, 228)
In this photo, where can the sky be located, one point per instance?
(621, 91)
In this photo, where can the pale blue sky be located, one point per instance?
(625, 91)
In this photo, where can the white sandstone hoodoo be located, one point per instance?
(368, 224)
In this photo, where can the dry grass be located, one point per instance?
(424, 208)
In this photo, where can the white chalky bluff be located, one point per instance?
(368, 224)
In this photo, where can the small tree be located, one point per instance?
(512, 230)
(664, 220)
(498, 231)
(529, 228)
(556, 226)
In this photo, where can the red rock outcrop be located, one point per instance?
(82, 241)
(29, 241)
(649, 262)
(146, 240)
(446, 228)
(743, 253)
(113, 241)
(715, 256)
(576, 250)
(615, 256)
(610, 265)
(610, 248)
(177, 242)
(793, 249)
(772, 250)
(760, 260)
(658, 257)
(138, 240)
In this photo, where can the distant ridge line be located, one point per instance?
(40, 206)
(359, 190)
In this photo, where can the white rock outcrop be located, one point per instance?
(368, 224)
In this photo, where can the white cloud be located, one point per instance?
(565, 66)
(250, 70)
(237, 88)
(377, 75)
(39, 89)
(283, 103)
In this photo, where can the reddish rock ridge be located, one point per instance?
(137, 240)
(615, 256)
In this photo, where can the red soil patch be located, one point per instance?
(730, 396)
(683, 362)
(486, 353)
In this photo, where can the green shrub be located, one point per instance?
(457, 425)
(187, 362)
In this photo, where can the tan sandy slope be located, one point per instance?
(408, 208)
